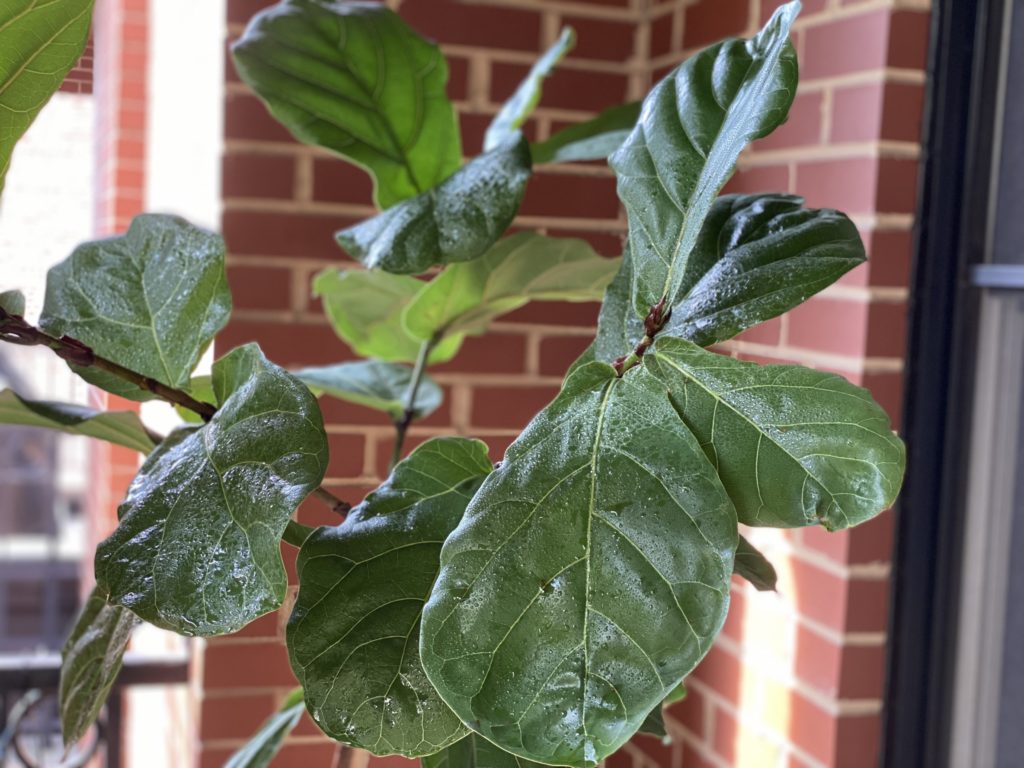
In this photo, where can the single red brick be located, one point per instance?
(849, 184)
(661, 35)
(909, 33)
(762, 178)
(834, 545)
(601, 39)
(508, 407)
(266, 626)
(458, 77)
(288, 345)
(853, 44)
(903, 115)
(897, 185)
(858, 741)
(803, 128)
(889, 256)
(562, 313)
(262, 233)
(234, 717)
(830, 325)
(245, 117)
(564, 195)
(486, 26)
(857, 113)
(252, 665)
(306, 755)
(337, 181)
(867, 606)
(259, 176)
(820, 595)
(218, 758)
(260, 287)
(887, 330)
(347, 453)
(887, 389)
(872, 542)
(863, 673)
(557, 353)
(567, 88)
(473, 127)
(710, 22)
(493, 353)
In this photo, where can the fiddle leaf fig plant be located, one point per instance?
(533, 609)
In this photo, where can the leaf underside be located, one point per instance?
(354, 634)
(374, 384)
(197, 550)
(474, 751)
(754, 567)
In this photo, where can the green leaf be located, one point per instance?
(475, 752)
(197, 550)
(150, 300)
(591, 140)
(373, 384)
(525, 267)
(514, 112)
(693, 127)
(751, 565)
(456, 221)
(353, 636)
(41, 43)
(91, 659)
(619, 329)
(589, 574)
(13, 302)
(365, 310)
(654, 724)
(678, 694)
(355, 79)
(201, 388)
(767, 254)
(118, 427)
(793, 446)
(259, 751)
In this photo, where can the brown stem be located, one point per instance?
(653, 323)
(14, 329)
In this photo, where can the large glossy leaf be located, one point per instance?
(41, 41)
(197, 550)
(13, 302)
(119, 427)
(456, 221)
(587, 577)
(374, 384)
(365, 309)
(590, 140)
(91, 658)
(150, 300)
(355, 79)
(692, 129)
(768, 254)
(793, 446)
(518, 108)
(525, 267)
(354, 634)
(474, 751)
(754, 567)
(259, 751)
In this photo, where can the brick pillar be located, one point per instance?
(796, 676)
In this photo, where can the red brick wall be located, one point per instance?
(797, 676)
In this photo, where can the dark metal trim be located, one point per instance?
(950, 235)
(1003, 276)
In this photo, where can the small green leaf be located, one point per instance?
(525, 267)
(197, 550)
(594, 564)
(201, 388)
(765, 254)
(692, 129)
(118, 427)
(751, 565)
(260, 750)
(365, 310)
(353, 636)
(13, 302)
(150, 300)
(41, 43)
(91, 659)
(373, 384)
(514, 112)
(456, 221)
(594, 139)
(619, 329)
(677, 695)
(793, 446)
(355, 79)
(475, 752)
(654, 725)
